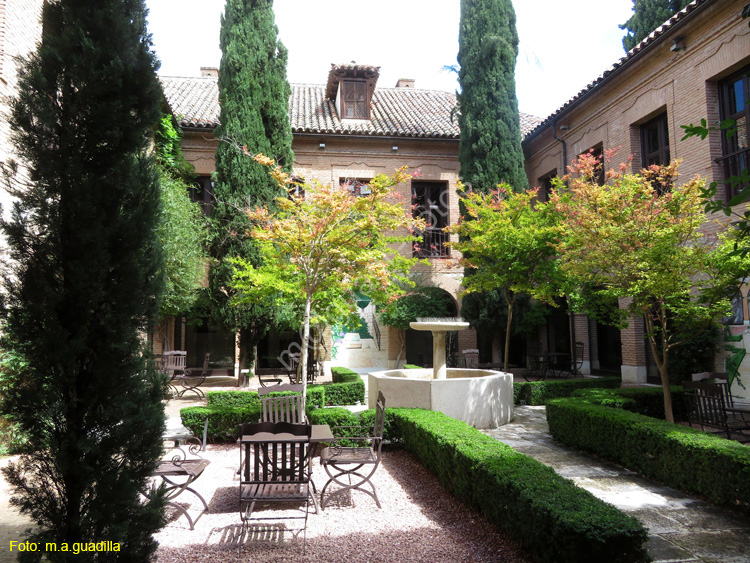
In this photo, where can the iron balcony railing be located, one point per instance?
(432, 245)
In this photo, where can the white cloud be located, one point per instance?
(564, 45)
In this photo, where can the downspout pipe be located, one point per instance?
(564, 146)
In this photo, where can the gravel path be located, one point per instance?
(419, 522)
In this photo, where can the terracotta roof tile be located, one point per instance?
(397, 112)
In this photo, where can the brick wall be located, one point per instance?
(682, 84)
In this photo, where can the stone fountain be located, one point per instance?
(482, 398)
(439, 328)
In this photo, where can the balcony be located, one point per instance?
(432, 245)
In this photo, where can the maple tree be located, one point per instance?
(322, 243)
(638, 239)
(506, 242)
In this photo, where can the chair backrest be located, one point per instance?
(283, 388)
(471, 358)
(706, 404)
(278, 460)
(205, 363)
(715, 378)
(377, 431)
(284, 408)
(174, 360)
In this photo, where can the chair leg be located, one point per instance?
(361, 481)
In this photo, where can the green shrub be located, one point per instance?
(648, 401)
(539, 392)
(347, 387)
(232, 399)
(222, 421)
(687, 459)
(554, 519)
(343, 375)
(412, 366)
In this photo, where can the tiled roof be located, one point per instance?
(398, 112)
(643, 46)
(194, 101)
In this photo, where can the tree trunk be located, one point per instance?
(402, 347)
(305, 346)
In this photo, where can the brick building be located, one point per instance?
(345, 132)
(694, 66)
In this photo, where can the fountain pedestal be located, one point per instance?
(439, 329)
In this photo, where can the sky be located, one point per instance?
(564, 45)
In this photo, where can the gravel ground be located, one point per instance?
(418, 522)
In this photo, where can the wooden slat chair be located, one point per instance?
(707, 407)
(283, 408)
(173, 363)
(275, 472)
(471, 358)
(355, 464)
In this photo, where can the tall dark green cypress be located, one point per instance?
(647, 16)
(490, 150)
(254, 98)
(84, 284)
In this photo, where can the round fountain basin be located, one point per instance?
(481, 398)
(439, 326)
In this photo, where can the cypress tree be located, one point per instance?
(490, 148)
(647, 16)
(254, 97)
(84, 283)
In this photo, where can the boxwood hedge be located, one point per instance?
(552, 517)
(539, 392)
(685, 458)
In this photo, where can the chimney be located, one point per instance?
(210, 71)
(405, 83)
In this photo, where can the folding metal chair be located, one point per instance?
(341, 462)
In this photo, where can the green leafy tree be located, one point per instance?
(419, 301)
(638, 239)
(254, 96)
(506, 242)
(490, 147)
(322, 244)
(647, 16)
(182, 230)
(84, 282)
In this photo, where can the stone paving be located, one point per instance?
(681, 528)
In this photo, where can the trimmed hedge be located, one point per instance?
(648, 401)
(347, 387)
(552, 517)
(539, 392)
(687, 459)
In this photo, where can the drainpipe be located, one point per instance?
(564, 146)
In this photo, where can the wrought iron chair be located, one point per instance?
(274, 470)
(536, 364)
(180, 469)
(578, 363)
(707, 407)
(342, 462)
(192, 382)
